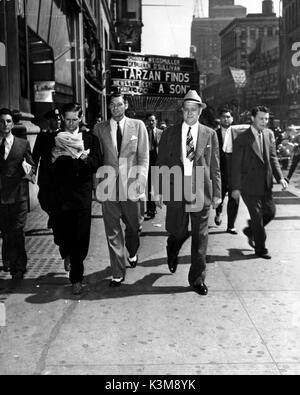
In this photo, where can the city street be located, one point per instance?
(154, 324)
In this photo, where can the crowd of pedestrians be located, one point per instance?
(139, 166)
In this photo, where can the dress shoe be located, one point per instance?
(67, 264)
(49, 223)
(77, 289)
(201, 289)
(172, 264)
(263, 255)
(116, 282)
(18, 276)
(133, 261)
(232, 231)
(6, 268)
(247, 232)
(218, 219)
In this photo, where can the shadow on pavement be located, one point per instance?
(56, 286)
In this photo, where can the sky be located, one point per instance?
(167, 30)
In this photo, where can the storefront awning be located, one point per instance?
(146, 104)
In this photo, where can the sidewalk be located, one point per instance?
(154, 324)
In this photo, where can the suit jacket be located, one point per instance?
(73, 178)
(225, 163)
(13, 186)
(157, 137)
(252, 172)
(42, 155)
(207, 158)
(134, 154)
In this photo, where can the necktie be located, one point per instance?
(152, 140)
(190, 149)
(260, 139)
(2, 149)
(119, 138)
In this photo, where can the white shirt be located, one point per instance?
(227, 140)
(114, 128)
(187, 164)
(8, 145)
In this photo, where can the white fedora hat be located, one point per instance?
(192, 96)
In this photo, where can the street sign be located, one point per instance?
(43, 91)
(239, 76)
(152, 75)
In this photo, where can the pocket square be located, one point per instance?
(133, 138)
(208, 146)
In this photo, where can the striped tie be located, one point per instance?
(190, 149)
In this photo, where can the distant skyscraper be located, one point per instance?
(268, 7)
(205, 40)
(218, 3)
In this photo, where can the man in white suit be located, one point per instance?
(125, 147)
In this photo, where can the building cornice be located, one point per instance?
(247, 21)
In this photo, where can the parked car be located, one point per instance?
(285, 152)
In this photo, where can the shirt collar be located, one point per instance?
(225, 129)
(254, 131)
(115, 123)
(186, 126)
(77, 131)
(9, 139)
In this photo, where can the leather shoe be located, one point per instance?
(263, 255)
(67, 264)
(201, 289)
(172, 264)
(114, 283)
(172, 261)
(133, 261)
(232, 231)
(18, 276)
(6, 269)
(218, 220)
(247, 232)
(77, 289)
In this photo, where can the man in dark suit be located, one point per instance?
(227, 133)
(13, 196)
(191, 150)
(125, 147)
(254, 163)
(76, 157)
(42, 156)
(154, 139)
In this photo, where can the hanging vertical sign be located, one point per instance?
(293, 79)
(2, 55)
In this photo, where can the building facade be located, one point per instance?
(205, 39)
(290, 62)
(264, 76)
(55, 51)
(238, 41)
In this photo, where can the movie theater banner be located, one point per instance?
(133, 74)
